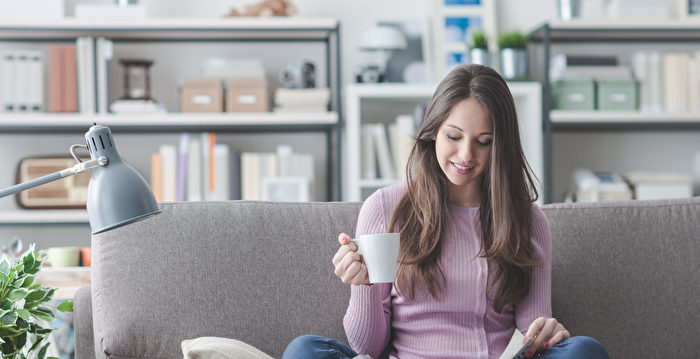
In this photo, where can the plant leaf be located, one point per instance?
(42, 352)
(18, 294)
(9, 318)
(28, 281)
(34, 286)
(5, 266)
(66, 307)
(23, 313)
(35, 295)
(21, 340)
(46, 315)
(4, 278)
(7, 331)
(28, 260)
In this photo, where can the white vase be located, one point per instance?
(513, 64)
(480, 56)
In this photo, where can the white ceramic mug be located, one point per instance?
(380, 253)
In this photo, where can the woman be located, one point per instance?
(475, 255)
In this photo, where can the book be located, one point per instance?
(649, 185)
(7, 66)
(515, 348)
(157, 176)
(104, 56)
(381, 144)
(401, 134)
(70, 79)
(194, 179)
(183, 148)
(369, 158)
(22, 86)
(234, 174)
(168, 154)
(250, 176)
(35, 71)
(136, 106)
(56, 78)
(221, 191)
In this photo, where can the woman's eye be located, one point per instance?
(453, 138)
(484, 143)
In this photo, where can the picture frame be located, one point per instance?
(415, 63)
(453, 22)
(688, 9)
(286, 189)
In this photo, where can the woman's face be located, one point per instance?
(463, 147)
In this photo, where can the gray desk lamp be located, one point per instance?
(117, 194)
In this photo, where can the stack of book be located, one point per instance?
(660, 185)
(200, 169)
(22, 77)
(385, 149)
(309, 100)
(668, 82)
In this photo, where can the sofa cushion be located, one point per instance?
(220, 348)
(626, 273)
(203, 269)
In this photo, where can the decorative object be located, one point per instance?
(414, 63)
(267, 8)
(299, 74)
(21, 331)
(285, 189)
(380, 40)
(63, 256)
(117, 194)
(479, 48)
(569, 9)
(137, 79)
(453, 21)
(688, 8)
(202, 95)
(512, 56)
(69, 192)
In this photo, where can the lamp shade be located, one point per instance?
(117, 194)
(381, 37)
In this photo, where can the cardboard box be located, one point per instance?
(247, 95)
(202, 95)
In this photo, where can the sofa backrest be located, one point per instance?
(254, 271)
(625, 273)
(628, 274)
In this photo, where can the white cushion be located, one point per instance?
(220, 348)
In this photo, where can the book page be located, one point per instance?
(516, 349)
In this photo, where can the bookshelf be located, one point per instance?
(171, 40)
(381, 103)
(608, 140)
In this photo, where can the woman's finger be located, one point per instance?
(361, 277)
(546, 332)
(558, 337)
(353, 269)
(534, 328)
(345, 263)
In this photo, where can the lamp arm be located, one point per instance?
(78, 168)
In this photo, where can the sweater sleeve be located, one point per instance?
(538, 303)
(367, 320)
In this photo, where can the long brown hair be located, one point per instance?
(504, 215)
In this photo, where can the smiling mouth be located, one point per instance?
(462, 168)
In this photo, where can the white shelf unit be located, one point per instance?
(527, 96)
(264, 32)
(610, 140)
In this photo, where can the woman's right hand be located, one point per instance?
(349, 266)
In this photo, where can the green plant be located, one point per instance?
(21, 306)
(512, 40)
(479, 40)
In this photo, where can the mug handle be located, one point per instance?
(358, 251)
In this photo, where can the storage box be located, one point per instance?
(246, 95)
(202, 95)
(618, 94)
(574, 93)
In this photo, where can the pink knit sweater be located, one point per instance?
(463, 324)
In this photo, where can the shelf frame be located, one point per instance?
(295, 29)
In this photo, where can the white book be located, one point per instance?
(104, 56)
(8, 79)
(168, 154)
(36, 101)
(250, 176)
(381, 142)
(86, 75)
(656, 94)
(194, 186)
(22, 86)
(204, 165)
(221, 175)
(401, 137)
(369, 158)
(640, 68)
(90, 75)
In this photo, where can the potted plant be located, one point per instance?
(512, 55)
(479, 49)
(21, 307)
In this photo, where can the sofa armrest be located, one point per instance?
(84, 337)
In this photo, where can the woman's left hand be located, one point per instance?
(546, 332)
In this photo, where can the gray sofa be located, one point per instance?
(626, 273)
